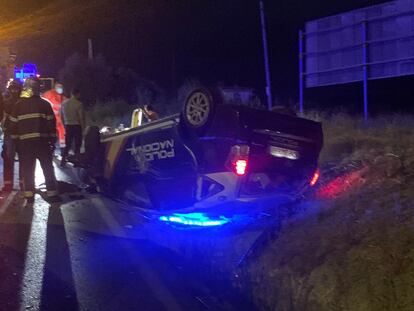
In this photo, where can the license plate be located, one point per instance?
(283, 153)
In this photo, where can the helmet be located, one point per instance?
(14, 86)
(31, 87)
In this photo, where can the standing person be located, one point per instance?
(55, 96)
(150, 113)
(33, 127)
(73, 118)
(9, 149)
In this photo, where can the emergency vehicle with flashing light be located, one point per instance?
(213, 156)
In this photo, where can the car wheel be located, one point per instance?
(198, 108)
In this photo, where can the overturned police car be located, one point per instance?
(213, 157)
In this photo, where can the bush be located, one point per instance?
(92, 77)
(110, 95)
(349, 138)
(111, 113)
(149, 93)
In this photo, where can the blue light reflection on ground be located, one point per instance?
(195, 219)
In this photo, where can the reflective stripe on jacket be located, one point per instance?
(9, 103)
(32, 119)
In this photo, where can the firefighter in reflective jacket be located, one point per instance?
(33, 127)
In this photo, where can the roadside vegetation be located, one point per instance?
(111, 113)
(351, 245)
(110, 95)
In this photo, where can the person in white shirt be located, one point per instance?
(73, 118)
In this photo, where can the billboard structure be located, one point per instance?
(364, 44)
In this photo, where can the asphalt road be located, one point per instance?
(90, 253)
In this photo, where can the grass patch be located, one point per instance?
(353, 251)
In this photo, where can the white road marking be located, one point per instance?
(35, 258)
(32, 281)
(148, 274)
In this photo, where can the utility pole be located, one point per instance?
(266, 57)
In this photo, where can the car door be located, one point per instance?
(157, 170)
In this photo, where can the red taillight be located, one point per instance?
(238, 159)
(315, 177)
(240, 167)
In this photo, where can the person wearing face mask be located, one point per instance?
(8, 153)
(55, 97)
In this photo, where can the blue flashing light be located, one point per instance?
(195, 219)
(27, 71)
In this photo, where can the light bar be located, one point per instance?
(195, 219)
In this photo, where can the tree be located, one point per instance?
(91, 76)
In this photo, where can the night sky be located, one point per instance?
(218, 41)
(215, 41)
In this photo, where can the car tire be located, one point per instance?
(199, 108)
